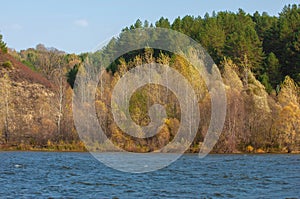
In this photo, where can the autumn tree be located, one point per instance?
(286, 128)
(5, 105)
(47, 59)
(59, 76)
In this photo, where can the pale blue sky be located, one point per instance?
(79, 26)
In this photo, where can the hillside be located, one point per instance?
(257, 55)
(28, 106)
(21, 73)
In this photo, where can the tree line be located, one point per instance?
(259, 59)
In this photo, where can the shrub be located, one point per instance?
(29, 64)
(249, 148)
(7, 64)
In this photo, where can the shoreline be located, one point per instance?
(80, 148)
(186, 153)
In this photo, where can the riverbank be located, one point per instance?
(81, 148)
(62, 147)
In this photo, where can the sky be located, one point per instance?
(77, 26)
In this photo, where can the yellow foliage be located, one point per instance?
(49, 143)
(249, 148)
(81, 144)
(260, 151)
(288, 93)
(167, 122)
(231, 78)
(100, 106)
(287, 126)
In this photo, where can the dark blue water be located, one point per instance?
(79, 175)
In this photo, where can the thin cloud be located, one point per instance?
(81, 23)
(16, 27)
(13, 27)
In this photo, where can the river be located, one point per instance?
(80, 175)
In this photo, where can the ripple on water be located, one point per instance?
(79, 175)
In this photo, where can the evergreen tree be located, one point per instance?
(289, 41)
(146, 24)
(264, 79)
(3, 47)
(242, 40)
(187, 23)
(176, 25)
(213, 38)
(163, 23)
(273, 69)
(138, 24)
(263, 23)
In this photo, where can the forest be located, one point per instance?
(258, 56)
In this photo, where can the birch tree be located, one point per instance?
(5, 105)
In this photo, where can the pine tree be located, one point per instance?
(242, 39)
(273, 69)
(289, 38)
(163, 23)
(3, 47)
(213, 38)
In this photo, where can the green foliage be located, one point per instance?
(213, 38)
(257, 46)
(273, 69)
(7, 64)
(283, 39)
(163, 23)
(242, 40)
(264, 79)
(3, 47)
(262, 43)
(263, 23)
(29, 64)
(138, 24)
(71, 75)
